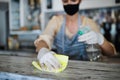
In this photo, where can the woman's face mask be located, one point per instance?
(71, 9)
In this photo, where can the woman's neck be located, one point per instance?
(73, 18)
(72, 24)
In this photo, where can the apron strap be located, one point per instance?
(63, 31)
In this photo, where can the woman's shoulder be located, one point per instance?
(57, 17)
(86, 20)
(91, 23)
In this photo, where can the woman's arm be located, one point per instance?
(40, 45)
(47, 37)
(108, 48)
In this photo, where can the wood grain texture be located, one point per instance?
(76, 70)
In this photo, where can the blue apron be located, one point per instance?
(70, 47)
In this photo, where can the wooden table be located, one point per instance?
(76, 70)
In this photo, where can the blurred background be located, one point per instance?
(22, 21)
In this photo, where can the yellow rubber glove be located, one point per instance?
(62, 59)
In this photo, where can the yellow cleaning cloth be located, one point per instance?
(61, 58)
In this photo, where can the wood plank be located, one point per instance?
(76, 70)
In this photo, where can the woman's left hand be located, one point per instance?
(91, 38)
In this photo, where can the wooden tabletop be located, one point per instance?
(76, 70)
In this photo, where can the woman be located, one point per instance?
(62, 32)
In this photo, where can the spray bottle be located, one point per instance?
(93, 50)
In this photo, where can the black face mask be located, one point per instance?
(71, 9)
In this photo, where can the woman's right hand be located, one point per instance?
(47, 59)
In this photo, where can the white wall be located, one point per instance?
(87, 4)
(98, 4)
